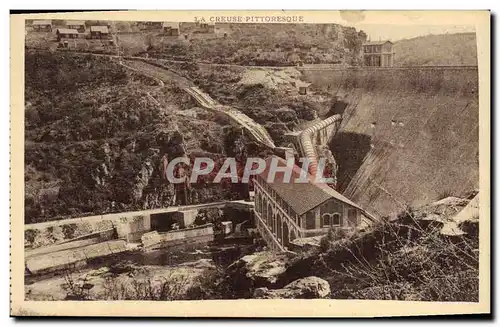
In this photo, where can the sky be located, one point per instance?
(393, 33)
(397, 25)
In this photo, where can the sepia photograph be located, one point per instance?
(251, 156)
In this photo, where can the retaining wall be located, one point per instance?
(130, 225)
(203, 233)
(73, 258)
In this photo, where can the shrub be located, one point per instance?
(402, 260)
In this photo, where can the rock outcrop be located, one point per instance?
(261, 269)
(454, 216)
(465, 222)
(306, 288)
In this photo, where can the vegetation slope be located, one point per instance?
(97, 137)
(436, 50)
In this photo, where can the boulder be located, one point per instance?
(448, 203)
(465, 222)
(260, 269)
(453, 216)
(305, 288)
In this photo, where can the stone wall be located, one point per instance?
(189, 233)
(203, 233)
(185, 218)
(447, 80)
(57, 231)
(132, 228)
(129, 225)
(73, 258)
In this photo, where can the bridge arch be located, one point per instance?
(257, 203)
(279, 226)
(270, 214)
(286, 235)
(275, 221)
(293, 235)
(264, 209)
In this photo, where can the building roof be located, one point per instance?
(302, 197)
(173, 25)
(42, 22)
(102, 29)
(75, 23)
(377, 42)
(67, 31)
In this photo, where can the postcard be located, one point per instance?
(250, 163)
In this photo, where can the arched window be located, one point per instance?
(326, 220)
(336, 219)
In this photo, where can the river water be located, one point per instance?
(156, 261)
(221, 253)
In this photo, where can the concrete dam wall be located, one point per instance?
(408, 135)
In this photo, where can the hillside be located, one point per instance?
(96, 136)
(435, 50)
(264, 44)
(243, 44)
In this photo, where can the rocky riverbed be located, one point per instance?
(162, 274)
